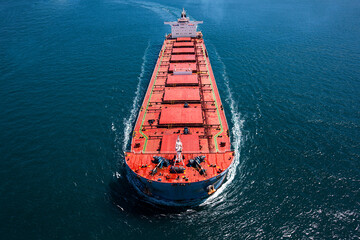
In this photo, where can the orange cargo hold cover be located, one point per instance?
(183, 44)
(185, 94)
(182, 79)
(190, 143)
(182, 66)
(183, 58)
(183, 50)
(183, 39)
(181, 116)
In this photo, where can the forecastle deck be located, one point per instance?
(182, 100)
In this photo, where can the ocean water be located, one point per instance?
(73, 74)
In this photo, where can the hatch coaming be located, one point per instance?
(157, 99)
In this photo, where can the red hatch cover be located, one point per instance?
(190, 143)
(182, 80)
(183, 58)
(181, 116)
(183, 44)
(182, 66)
(182, 94)
(183, 39)
(183, 50)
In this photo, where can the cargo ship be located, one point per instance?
(180, 147)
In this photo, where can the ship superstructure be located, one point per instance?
(184, 27)
(180, 147)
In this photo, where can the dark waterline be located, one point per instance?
(73, 74)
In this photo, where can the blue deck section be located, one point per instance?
(177, 192)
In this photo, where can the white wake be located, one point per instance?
(128, 122)
(237, 134)
(166, 13)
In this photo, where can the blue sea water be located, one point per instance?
(73, 74)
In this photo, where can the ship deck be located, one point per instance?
(182, 99)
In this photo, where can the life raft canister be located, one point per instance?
(211, 189)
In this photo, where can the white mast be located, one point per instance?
(178, 148)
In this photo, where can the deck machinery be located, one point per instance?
(180, 148)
